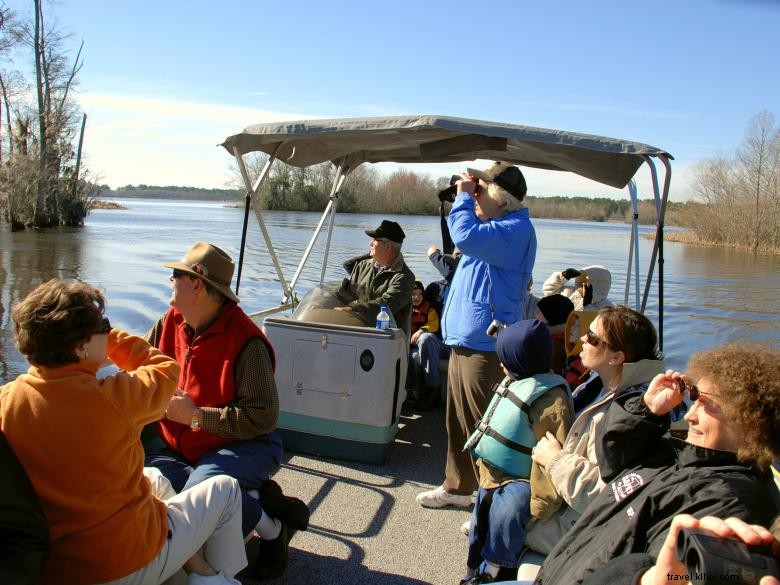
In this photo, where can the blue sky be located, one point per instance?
(165, 81)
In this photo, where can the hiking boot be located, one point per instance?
(480, 578)
(290, 511)
(439, 498)
(428, 400)
(272, 556)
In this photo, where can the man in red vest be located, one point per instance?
(222, 418)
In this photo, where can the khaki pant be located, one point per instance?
(206, 516)
(471, 376)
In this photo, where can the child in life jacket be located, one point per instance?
(528, 403)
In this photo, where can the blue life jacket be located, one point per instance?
(505, 435)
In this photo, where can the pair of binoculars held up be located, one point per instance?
(710, 559)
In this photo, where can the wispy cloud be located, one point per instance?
(132, 139)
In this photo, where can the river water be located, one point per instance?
(711, 295)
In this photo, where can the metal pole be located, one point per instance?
(658, 252)
(633, 242)
(250, 191)
(334, 197)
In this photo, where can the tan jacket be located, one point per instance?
(574, 471)
(553, 412)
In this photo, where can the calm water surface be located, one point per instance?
(711, 295)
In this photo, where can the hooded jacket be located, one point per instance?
(651, 479)
(492, 276)
(574, 470)
(598, 276)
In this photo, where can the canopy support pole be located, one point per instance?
(633, 250)
(247, 202)
(254, 189)
(329, 209)
(341, 174)
(658, 246)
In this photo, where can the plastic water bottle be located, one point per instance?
(383, 318)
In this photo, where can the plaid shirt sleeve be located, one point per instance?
(256, 408)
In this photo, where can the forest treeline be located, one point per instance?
(410, 202)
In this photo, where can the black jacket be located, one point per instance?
(24, 533)
(651, 478)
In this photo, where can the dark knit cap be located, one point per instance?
(555, 308)
(525, 348)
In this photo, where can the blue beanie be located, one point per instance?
(525, 348)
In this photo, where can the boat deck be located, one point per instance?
(366, 526)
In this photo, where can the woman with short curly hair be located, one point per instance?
(747, 380)
(720, 469)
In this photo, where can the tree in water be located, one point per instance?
(41, 182)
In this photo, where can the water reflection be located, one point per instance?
(711, 295)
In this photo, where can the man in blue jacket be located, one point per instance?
(491, 227)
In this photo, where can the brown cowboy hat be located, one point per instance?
(210, 264)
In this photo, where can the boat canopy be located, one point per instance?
(349, 142)
(440, 139)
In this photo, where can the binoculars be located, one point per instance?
(711, 559)
(448, 194)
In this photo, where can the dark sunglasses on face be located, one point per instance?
(178, 273)
(691, 389)
(592, 339)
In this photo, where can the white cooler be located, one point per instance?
(340, 387)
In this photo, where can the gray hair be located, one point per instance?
(503, 198)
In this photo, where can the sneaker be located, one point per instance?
(439, 498)
(218, 579)
(465, 528)
(290, 511)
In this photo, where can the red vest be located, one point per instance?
(420, 315)
(207, 375)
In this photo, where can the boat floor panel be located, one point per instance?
(366, 526)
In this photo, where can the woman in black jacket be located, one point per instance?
(721, 469)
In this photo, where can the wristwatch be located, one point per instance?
(195, 420)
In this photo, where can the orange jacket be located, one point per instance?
(78, 439)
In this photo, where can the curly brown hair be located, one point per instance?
(747, 377)
(631, 332)
(56, 318)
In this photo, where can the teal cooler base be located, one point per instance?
(336, 439)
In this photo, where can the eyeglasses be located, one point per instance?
(178, 273)
(592, 339)
(105, 326)
(691, 389)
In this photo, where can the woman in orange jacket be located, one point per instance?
(77, 437)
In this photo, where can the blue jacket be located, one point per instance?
(498, 258)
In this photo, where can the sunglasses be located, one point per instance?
(105, 326)
(691, 389)
(592, 339)
(179, 273)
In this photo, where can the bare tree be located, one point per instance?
(741, 192)
(757, 161)
(60, 195)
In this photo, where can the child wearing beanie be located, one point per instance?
(530, 402)
(554, 310)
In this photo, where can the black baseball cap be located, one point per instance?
(388, 230)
